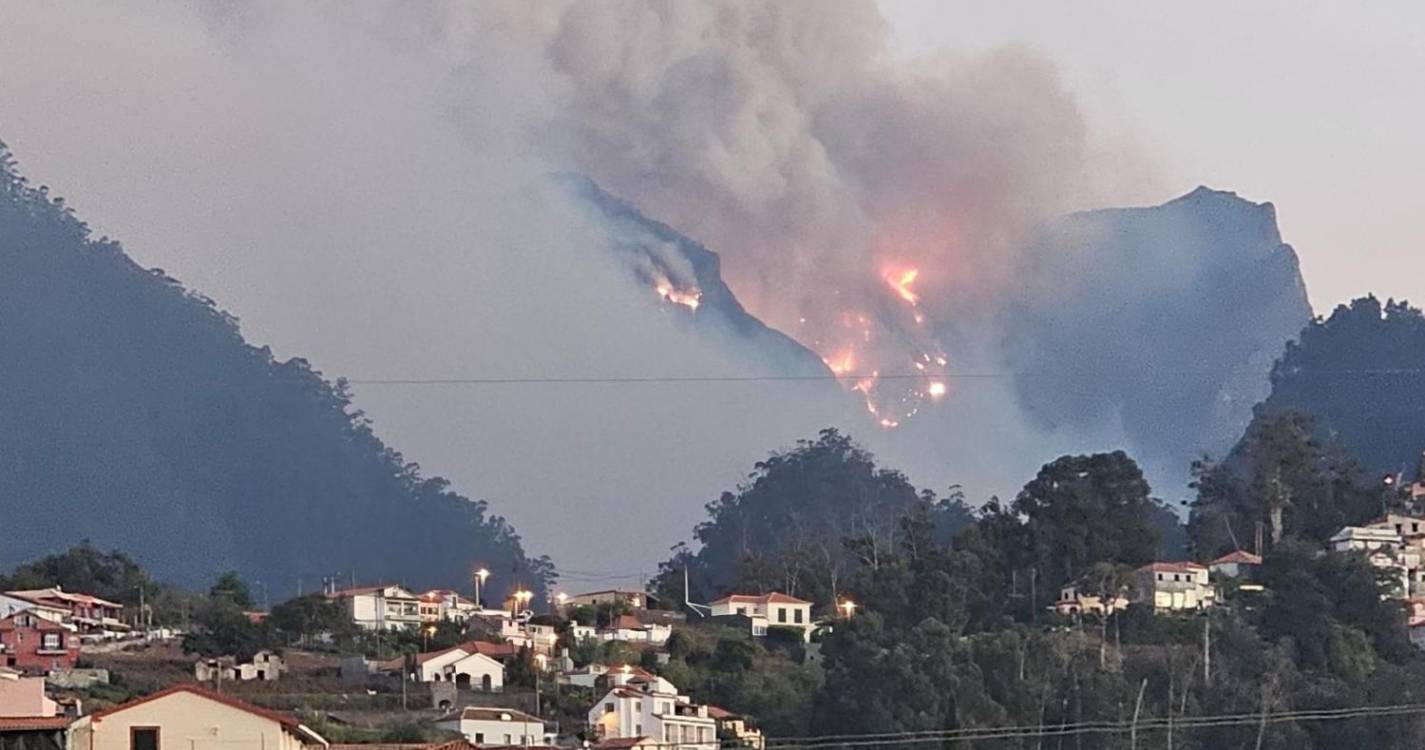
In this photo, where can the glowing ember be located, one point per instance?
(901, 282)
(842, 364)
(937, 389)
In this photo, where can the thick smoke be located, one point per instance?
(367, 185)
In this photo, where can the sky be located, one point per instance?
(1314, 106)
(357, 184)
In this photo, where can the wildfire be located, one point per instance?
(689, 298)
(842, 364)
(900, 281)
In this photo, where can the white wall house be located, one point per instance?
(187, 717)
(628, 628)
(1171, 586)
(767, 610)
(463, 665)
(1385, 549)
(439, 605)
(541, 639)
(1074, 601)
(648, 706)
(494, 726)
(380, 607)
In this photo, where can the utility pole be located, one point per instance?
(1206, 649)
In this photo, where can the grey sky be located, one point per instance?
(1314, 106)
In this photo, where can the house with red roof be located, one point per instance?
(774, 609)
(484, 726)
(1174, 586)
(1235, 564)
(90, 614)
(32, 643)
(35, 732)
(191, 717)
(638, 708)
(630, 629)
(463, 665)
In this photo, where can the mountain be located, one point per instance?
(1361, 374)
(133, 414)
(1160, 324)
(690, 276)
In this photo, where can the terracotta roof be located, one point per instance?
(494, 650)
(720, 713)
(33, 723)
(1173, 567)
(287, 721)
(625, 622)
(448, 745)
(483, 713)
(41, 623)
(55, 592)
(1238, 556)
(772, 598)
(359, 590)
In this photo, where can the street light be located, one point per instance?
(480, 576)
(519, 599)
(561, 597)
(847, 606)
(427, 632)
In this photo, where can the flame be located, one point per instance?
(843, 363)
(937, 389)
(901, 281)
(689, 298)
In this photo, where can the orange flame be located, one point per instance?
(901, 281)
(688, 298)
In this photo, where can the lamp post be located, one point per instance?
(847, 606)
(426, 633)
(480, 576)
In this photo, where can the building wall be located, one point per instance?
(189, 722)
(25, 697)
(495, 732)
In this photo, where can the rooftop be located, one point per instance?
(485, 713)
(774, 597)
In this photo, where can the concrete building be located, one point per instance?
(1174, 586)
(463, 665)
(189, 717)
(384, 607)
(494, 726)
(632, 598)
(767, 610)
(24, 696)
(266, 666)
(637, 707)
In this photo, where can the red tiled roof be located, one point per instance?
(1238, 556)
(285, 720)
(41, 624)
(720, 713)
(625, 622)
(33, 723)
(772, 598)
(494, 650)
(447, 745)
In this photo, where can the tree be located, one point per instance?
(1082, 510)
(231, 587)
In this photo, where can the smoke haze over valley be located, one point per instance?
(764, 196)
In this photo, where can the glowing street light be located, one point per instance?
(847, 606)
(562, 598)
(480, 576)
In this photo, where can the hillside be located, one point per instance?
(1161, 322)
(133, 414)
(1361, 373)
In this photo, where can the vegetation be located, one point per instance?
(954, 631)
(143, 421)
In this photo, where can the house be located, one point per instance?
(734, 728)
(767, 610)
(463, 665)
(494, 726)
(638, 707)
(384, 607)
(24, 697)
(34, 644)
(629, 743)
(1173, 586)
(444, 605)
(9, 605)
(632, 599)
(541, 639)
(1235, 564)
(1073, 601)
(628, 628)
(36, 733)
(190, 716)
(90, 614)
(1410, 528)
(1386, 549)
(265, 666)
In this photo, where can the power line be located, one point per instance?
(989, 375)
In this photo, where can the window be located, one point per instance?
(667, 732)
(742, 611)
(638, 707)
(143, 738)
(51, 642)
(781, 614)
(507, 739)
(638, 729)
(797, 616)
(479, 737)
(608, 708)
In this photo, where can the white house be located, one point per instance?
(634, 599)
(1174, 586)
(648, 706)
(1387, 549)
(494, 726)
(463, 665)
(767, 610)
(265, 666)
(188, 716)
(628, 628)
(1072, 601)
(439, 605)
(541, 639)
(380, 607)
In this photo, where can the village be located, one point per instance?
(579, 670)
